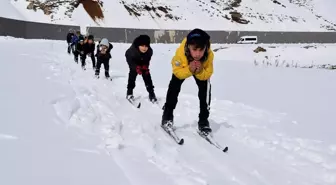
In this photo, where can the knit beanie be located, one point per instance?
(90, 37)
(142, 40)
(198, 37)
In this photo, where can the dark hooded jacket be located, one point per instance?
(106, 56)
(69, 37)
(89, 48)
(135, 57)
(80, 47)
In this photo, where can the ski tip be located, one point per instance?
(139, 105)
(225, 149)
(181, 142)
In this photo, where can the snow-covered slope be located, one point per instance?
(273, 15)
(59, 125)
(9, 11)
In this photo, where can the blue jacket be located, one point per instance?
(74, 40)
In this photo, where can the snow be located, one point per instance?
(264, 15)
(9, 11)
(62, 126)
(325, 9)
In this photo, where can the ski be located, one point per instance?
(212, 141)
(170, 131)
(134, 101)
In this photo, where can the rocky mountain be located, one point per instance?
(228, 12)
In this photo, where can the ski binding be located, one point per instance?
(168, 128)
(134, 101)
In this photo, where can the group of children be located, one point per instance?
(82, 46)
(193, 57)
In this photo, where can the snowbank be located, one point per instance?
(279, 55)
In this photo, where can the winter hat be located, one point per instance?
(104, 42)
(142, 40)
(80, 38)
(90, 37)
(198, 37)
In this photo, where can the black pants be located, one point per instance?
(83, 58)
(106, 67)
(204, 96)
(93, 59)
(76, 54)
(132, 75)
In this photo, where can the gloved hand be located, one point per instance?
(145, 69)
(139, 70)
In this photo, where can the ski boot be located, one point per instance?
(107, 76)
(130, 97)
(152, 97)
(204, 128)
(167, 121)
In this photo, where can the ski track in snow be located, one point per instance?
(257, 153)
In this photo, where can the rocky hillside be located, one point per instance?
(228, 12)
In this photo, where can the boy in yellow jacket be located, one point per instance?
(194, 57)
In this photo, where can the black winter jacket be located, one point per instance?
(89, 48)
(80, 48)
(69, 37)
(106, 56)
(134, 57)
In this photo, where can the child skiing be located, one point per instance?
(194, 57)
(69, 38)
(79, 50)
(74, 40)
(103, 56)
(138, 57)
(89, 47)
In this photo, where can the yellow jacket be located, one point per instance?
(181, 67)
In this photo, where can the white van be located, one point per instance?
(248, 40)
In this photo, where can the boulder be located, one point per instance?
(259, 49)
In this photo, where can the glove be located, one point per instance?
(139, 70)
(145, 69)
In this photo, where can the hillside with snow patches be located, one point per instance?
(264, 15)
(61, 126)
